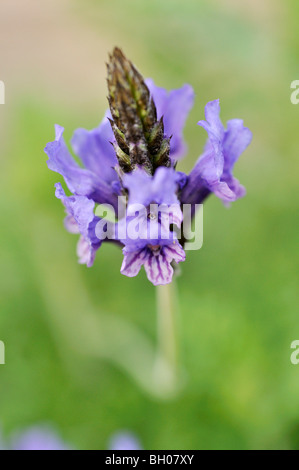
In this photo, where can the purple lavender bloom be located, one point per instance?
(38, 438)
(98, 182)
(213, 170)
(124, 440)
(174, 106)
(146, 132)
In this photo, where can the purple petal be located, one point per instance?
(206, 168)
(78, 180)
(95, 150)
(156, 260)
(79, 207)
(222, 190)
(80, 219)
(213, 170)
(152, 207)
(174, 106)
(138, 183)
(139, 230)
(86, 252)
(213, 124)
(181, 179)
(236, 140)
(158, 270)
(158, 265)
(197, 186)
(175, 252)
(165, 186)
(205, 176)
(132, 262)
(159, 95)
(71, 224)
(170, 215)
(236, 187)
(215, 130)
(144, 189)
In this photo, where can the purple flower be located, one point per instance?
(124, 440)
(38, 438)
(98, 182)
(145, 127)
(213, 170)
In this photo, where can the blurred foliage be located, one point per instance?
(238, 294)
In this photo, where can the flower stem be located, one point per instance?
(167, 312)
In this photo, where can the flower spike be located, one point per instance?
(138, 133)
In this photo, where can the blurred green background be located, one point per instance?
(67, 329)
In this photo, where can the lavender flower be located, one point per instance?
(145, 125)
(38, 438)
(124, 440)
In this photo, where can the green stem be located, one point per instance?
(83, 331)
(167, 312)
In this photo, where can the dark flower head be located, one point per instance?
(139, 135)
(145, 127)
